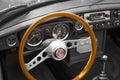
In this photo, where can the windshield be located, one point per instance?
(8, 3)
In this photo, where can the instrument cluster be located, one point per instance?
(64, 29)
(42, 32)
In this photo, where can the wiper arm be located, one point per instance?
(96, 2)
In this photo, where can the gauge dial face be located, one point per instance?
(60, 31)
(35, 38)
(12, 40)
(78, 26)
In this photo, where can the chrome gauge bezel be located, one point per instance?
(66, 26)
(78, 24)
(11, 40)
(39, 42)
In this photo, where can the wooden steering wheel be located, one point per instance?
(56, 46)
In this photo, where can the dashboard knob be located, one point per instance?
(116, 23)
(115, 13)
(105, 57)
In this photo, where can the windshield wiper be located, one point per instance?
(96, 2)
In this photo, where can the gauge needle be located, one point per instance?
(34, 36)
(58, 32)
(31, 38)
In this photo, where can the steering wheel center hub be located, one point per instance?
(57, 49)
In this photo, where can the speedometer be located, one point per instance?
(35, 38)
(60, 31)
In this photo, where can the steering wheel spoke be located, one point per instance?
(42, 56)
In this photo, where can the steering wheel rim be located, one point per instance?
(51, 15)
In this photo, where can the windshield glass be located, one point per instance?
(8, 3)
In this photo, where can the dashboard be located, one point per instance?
(65, 28)
(99, 18)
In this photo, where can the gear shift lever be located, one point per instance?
(103, 75)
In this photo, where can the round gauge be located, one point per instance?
(35, 38)
(78, 26)
(60, 31)
(12, 40)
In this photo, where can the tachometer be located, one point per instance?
(60, 31)
(35, 38)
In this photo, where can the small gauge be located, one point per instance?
(35, 38)
(60, 31)
(12, 40)
(78, 26)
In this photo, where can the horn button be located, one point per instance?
(59, 53)
(57, 49)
